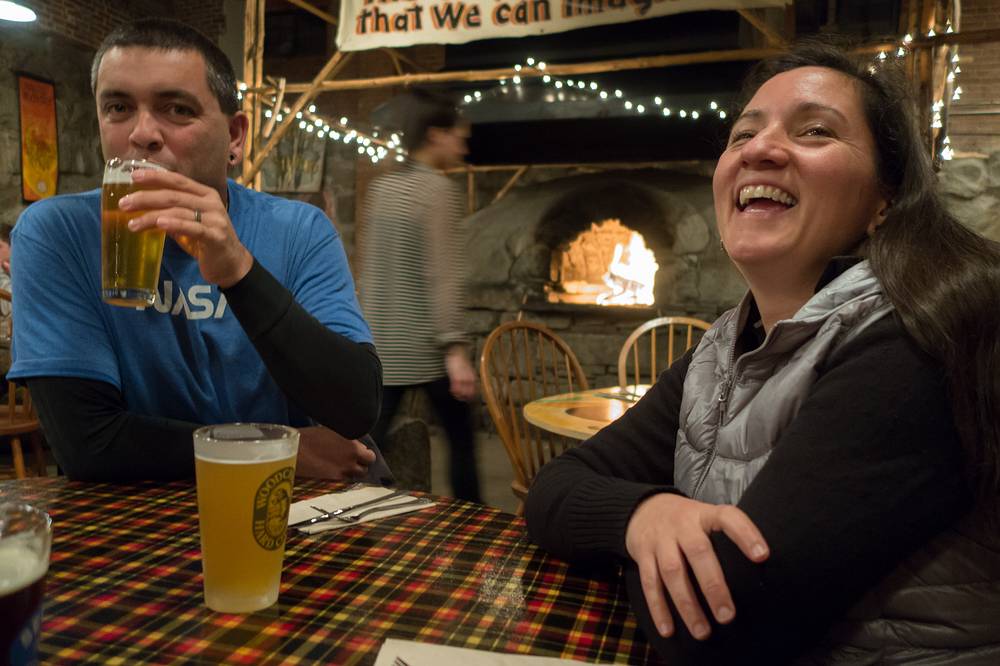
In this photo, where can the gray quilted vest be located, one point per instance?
(941, 605)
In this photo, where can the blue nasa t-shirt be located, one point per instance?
(186, 357)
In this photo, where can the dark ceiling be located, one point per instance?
(534, 123)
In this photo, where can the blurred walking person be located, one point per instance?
(412, 281)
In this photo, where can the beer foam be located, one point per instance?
(121, 174)
(20, 566)
(244, 460)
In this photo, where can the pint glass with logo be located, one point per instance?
(25, 539)
(130, 261)
(245, 473)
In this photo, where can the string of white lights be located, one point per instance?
(638, 105)
(951, 86)
(376, 149)
(369, 144)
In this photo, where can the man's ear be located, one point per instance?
(239, 125)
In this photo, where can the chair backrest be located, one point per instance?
(523, 361)
(644, 351)
(19, 407)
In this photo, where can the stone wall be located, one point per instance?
(59, 47)
(511, 243)
(66, 63)
(971, 188)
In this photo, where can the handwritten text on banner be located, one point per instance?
(369, 24)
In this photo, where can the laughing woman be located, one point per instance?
(818, 479)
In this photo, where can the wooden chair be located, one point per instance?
(18, 419)
(640, 347)
(521, 362)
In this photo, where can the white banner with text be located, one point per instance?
(370, 24)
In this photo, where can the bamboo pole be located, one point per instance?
(488, 168)
(510, 183)
(336, 62)
(555, 70)
(772, 36)
(623, 64)
(417, 67)
(315, 11)
(276, 108)
(395, 61)
(258, 81)
(252, 58)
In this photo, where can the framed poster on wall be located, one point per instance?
(39, 137)
(295, 164)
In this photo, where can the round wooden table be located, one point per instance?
(580, 414)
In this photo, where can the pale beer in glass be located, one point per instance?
(25, 540)
(130, 261)
(245, 474)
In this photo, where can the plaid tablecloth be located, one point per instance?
(124, 586)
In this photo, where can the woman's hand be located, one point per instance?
(669, 532)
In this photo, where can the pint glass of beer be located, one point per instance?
(25, 539)
(130, 261)
(244, 473)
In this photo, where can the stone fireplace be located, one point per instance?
(608, 264)
(544, 252)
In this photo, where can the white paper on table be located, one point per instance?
(429, 654)
(302, 510)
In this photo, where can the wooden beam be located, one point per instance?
(417, 67)
(555, 70)
(258, 81)
(334, 64)
(275, 108)
(772, 36)
(646, 62)
(942, 39)
(253, 76)
(597, 166)
(510, 183)
(395, 61)
(315, 11)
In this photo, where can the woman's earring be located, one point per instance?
(232, 158)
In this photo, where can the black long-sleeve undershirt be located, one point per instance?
(336, 381)
(868, 470)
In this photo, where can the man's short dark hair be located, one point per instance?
(422, 111)
(168, 35)
(5, 230)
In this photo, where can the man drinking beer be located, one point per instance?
(255, 317)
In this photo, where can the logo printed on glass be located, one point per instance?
(270, 509)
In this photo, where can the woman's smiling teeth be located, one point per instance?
(750, 192)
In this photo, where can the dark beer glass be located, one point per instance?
(25, 540)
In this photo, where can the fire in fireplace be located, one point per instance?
(608, 264)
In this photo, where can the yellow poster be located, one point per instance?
(39, 140)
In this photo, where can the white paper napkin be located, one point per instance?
(303, 510)
(428, 654)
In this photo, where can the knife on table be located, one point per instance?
(336, 512)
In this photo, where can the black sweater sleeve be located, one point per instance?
(336, 381)
(580, 503)
(868, 470)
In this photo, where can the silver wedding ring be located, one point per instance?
(197, 215)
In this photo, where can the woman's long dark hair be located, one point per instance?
(942, 278)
